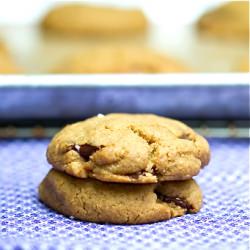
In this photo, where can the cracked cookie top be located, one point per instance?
(129, 148)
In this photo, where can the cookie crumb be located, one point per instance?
(77, 147)
(72, 217)
(147, 174)
(100, 115)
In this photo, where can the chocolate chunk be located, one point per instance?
(86, 150)
(176, 200)
(185, 136)
(155, 170)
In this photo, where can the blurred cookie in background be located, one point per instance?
(7, 65)
(119, 59)
(244, 65)
(229, 21)
(80, 19)
(3, 49)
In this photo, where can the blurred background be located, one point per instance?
(172, 29)
(185, 59)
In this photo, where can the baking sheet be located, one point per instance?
(208, 96)
(222, 223)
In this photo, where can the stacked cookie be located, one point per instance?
(124, 168)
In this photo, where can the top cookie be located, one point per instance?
(92, 20)
(228, 21)
(129, 148)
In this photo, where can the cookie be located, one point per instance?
(244, 65)
(129, 148)
(119, 59)
(82, 19)
(92, 200)
(7, 66)
(3, 49)
(227, 21)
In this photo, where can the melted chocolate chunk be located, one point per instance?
(86, 151)
(155, 170)
(176, 200)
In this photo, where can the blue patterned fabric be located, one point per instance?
(222, 223)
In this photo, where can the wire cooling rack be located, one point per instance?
(47, 128)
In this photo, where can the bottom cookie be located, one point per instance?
(92, 200)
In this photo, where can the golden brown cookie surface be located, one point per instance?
(92, 200)
(7, 66)
(244, 65)
(230, 20)
(93, 20)
(120, 59)
(129, 148)
(3, 49)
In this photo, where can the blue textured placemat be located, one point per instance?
(223, 222)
